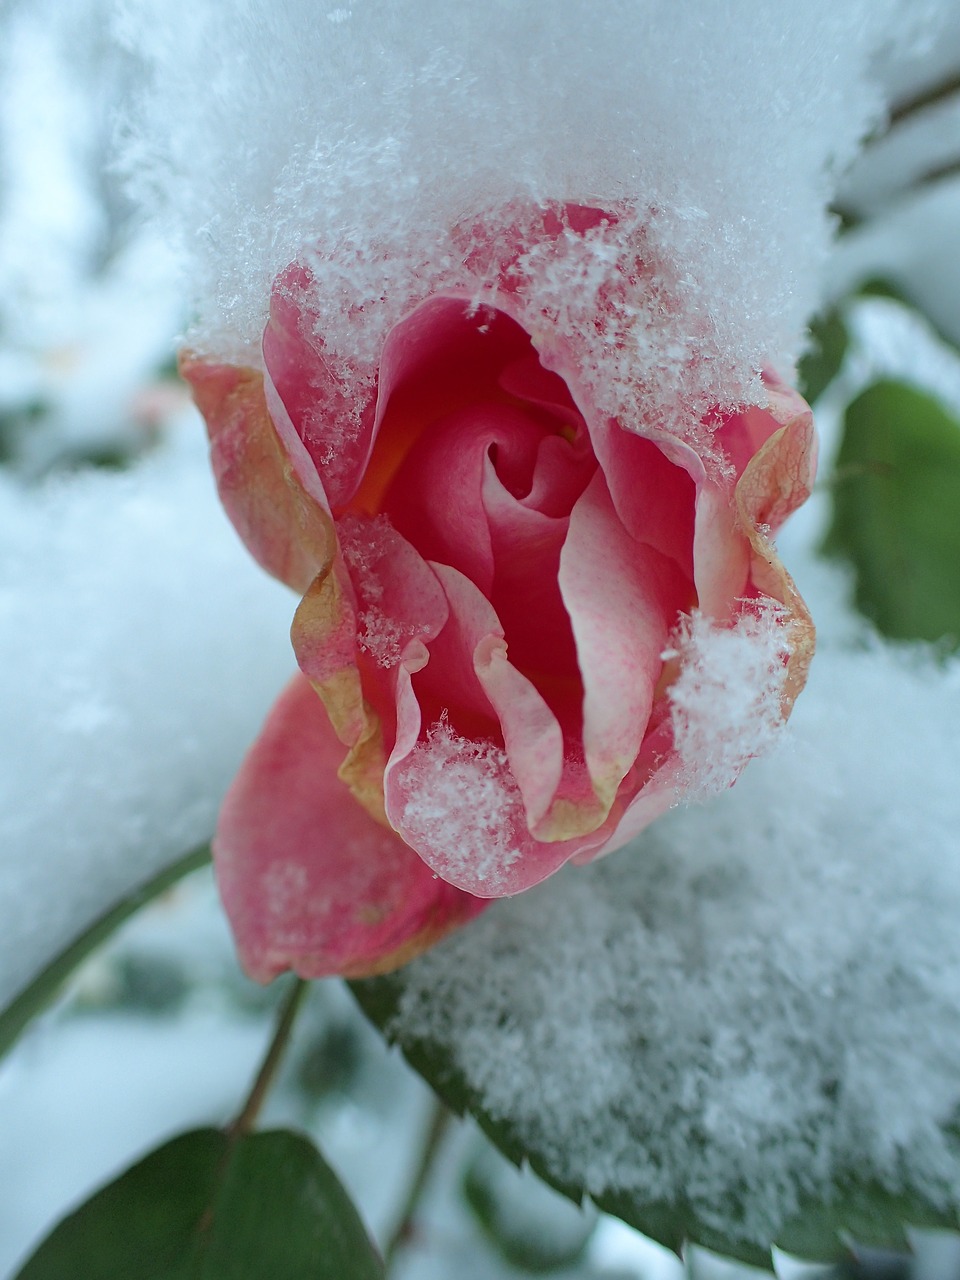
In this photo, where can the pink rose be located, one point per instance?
(493, 573)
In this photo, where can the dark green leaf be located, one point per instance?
(35, 997)
(209, 1207)
(881, 287)
(822, 361)
(896, 514)
(821, 1231)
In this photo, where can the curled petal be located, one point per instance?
(286, 528)
(462, 802)
(624, 599)
(776, 481)
(309, 880)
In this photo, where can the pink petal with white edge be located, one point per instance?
(623, 599)
(309, 880)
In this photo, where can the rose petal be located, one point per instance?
(721, 553)
(653, 485)
(458, 799)
(652, 788)
(333, 420)
(283, 523)
(309, 880)
(744, 434)
(623, 599)
(774, 483)
(398, 596)
(525, 593)
(435, 499)
(531, 735)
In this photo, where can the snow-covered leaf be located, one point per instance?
(854, 1208)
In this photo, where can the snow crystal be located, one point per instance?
(140, 650)
(369, 131)
(757, 996)
(726, 701)
(460, 797)
(364, 544)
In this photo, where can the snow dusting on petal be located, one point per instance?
(726, 701)
(364, 544)
(462, 809)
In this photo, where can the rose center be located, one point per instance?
(480, 458)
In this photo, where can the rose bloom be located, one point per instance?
(492, 570)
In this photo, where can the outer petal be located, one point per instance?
(404, 605)
(777, 480)
(335, 424)
(285, 527)
(309, 880)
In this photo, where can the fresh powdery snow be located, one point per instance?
(760, 993)
(365, 134)
(140, 647)
(726, 701)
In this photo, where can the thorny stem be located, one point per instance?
(436, 1131)
(250, 1110)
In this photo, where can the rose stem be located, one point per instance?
(436, 1130)
(247, 1116)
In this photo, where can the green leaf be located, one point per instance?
(38, 994)
(821, 1230)
(896, 511)
(821, 363)
(207, 1206)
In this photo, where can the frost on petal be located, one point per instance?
(726, 701)
(331, 407)
(459, 800)
(309, 879)
(398, 596)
